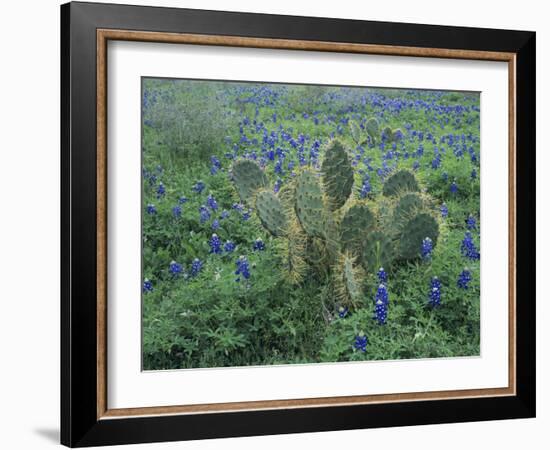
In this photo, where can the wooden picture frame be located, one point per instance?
(86, 418)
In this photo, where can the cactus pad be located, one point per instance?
(357, 222)
(373, 128)
(337, 175)
(271, 212)
(414, 232)
(348, 280)
(407, 206)
(378, 251)
(248, 178)
(355, 131)
(309, 203)
(399, 183)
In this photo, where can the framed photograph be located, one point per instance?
(277, 224)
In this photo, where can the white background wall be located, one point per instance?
(29, 224)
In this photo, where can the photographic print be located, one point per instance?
(300, 224)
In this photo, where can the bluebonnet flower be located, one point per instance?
(151, 209)
(176, 211)
(360, 342)
(434, 297)
(365, 187)
(381, 303)
(427, 248)
(238, 206)
(277, 185)
(215, 224)
(471, 222)
(224, 214)
(468, 247)
(243, 268)
(199, 187)
(416, 165)
(454, 187)
(473, 175)
(175, 268)
(464, 278)
(445, 176)
(343, 311)
(161, 190)
(436, 162)
(204, 213)
(216, 165)
(229, 246)
(211, 202)
(246, 215)
(259, 245)
(278, 167)
(382, 275)
(444, 210)
(182, 200)
(196, 267)
(147, 285)
(215, 244)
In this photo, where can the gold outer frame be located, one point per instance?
(104, 35)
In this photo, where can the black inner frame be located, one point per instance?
(79, 423)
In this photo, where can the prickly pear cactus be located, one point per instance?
(355, 131)
(348, 277)
(400, 183)
(407, 206)
(337, 175)
(414, 232)
(357, 223)
(309, 203)
(373, 129)
(387, 134)
(271, 212)
(248, 178)
(378, 251)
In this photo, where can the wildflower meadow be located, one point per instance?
(298, 224)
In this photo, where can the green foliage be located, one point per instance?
(378, 251)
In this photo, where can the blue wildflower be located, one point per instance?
(147, 285)
(238, 206)
(175, 268)
(444, 210)
(434, 297)
(468, 247)
(196, 267)
(151, 209)
(204, 213)
(211, 202)
(246, 215)
(215, 244)
(471, 222)
(382, 275)
(464, 278)
(199, 187)
(229, 246)
(343, 311)
(454, 187)
(243, 268)
(381, 303)
(360, 342)
(216, 165)
(182, 200)
(259, 245)
(427, 248)
(215, 224)
(224, 214)
(161, 190)
(473, 175)
(176, 211)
